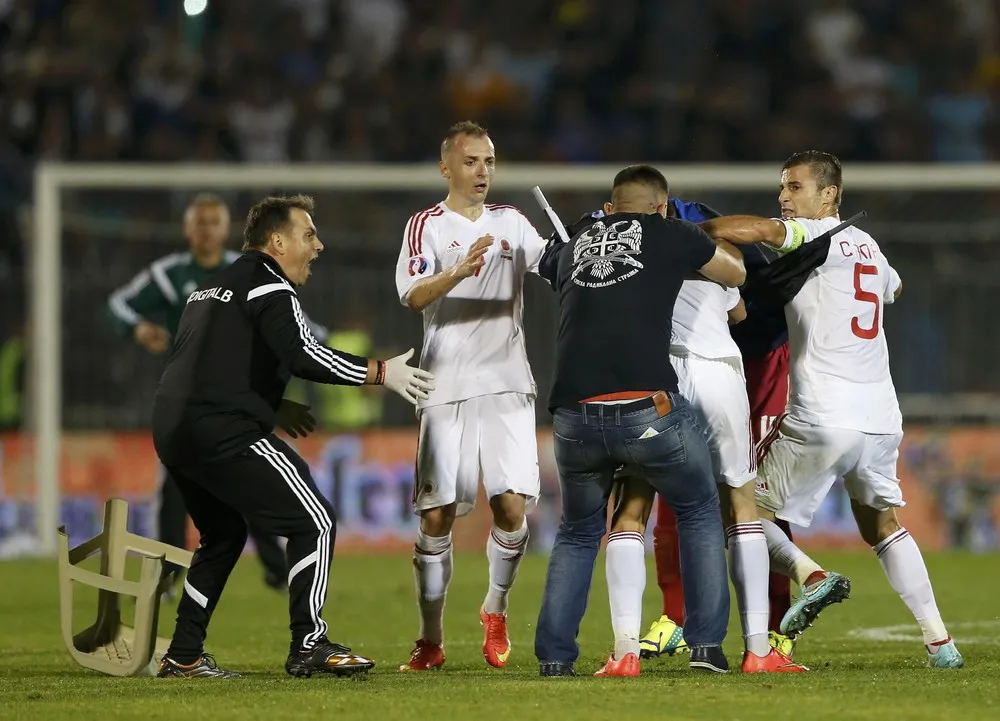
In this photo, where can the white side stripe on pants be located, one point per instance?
(304, 563)
(200, 598)
(286, 469)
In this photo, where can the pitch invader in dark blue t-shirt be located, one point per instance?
(762, 338)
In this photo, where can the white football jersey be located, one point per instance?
(839, 357)
(473, 336)
(701, 320)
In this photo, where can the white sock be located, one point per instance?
(432, 565)
(787, 558)
(749, 569)
(625, 566)
(504, 550)
(907, 574)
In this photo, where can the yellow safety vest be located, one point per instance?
(340, 408)
(11, 355)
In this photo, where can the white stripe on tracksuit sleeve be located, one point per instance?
(284, 327)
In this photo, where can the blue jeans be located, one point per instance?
(591, 442)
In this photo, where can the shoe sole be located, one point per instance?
(807, 614)
(706, 666)
(308, 671)
(182, 675)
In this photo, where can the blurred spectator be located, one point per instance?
(576, 81)
(262, 122)
(686, 81)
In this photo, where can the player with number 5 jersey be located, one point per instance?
(843, 418)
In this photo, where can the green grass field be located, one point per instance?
(866, 655)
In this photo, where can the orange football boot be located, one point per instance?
(425, 656)
(627, 665)
(496, 644)
(774, 662)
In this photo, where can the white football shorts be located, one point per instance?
(717, 391)
(801, 462)
(492, 436)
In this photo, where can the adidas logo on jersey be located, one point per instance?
(455, 247)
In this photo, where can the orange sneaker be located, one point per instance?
(425, 656)
(774, 662)
(628, 665)
(496, 644)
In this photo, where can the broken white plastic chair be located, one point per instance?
(109, 646)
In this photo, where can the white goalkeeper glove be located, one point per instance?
(408, 381)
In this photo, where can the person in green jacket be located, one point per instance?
(148, 309)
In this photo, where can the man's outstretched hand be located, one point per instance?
(295, 419)
(410, 382)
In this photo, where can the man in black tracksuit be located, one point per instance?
(240, 339)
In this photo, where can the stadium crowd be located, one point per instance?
(376, 80)
(707, 81)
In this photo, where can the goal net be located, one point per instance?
(82, 434)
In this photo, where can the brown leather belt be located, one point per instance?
(660, 400)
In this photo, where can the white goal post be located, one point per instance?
(51, 179)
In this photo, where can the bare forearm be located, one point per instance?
(426, 291)
(731, 250)
(745, 229)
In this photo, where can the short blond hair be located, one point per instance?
(466, 127)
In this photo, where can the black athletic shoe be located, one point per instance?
(555, 668)
(276, 582)
(168, 588)
(709, 658)
(204, 667)
(326, 657)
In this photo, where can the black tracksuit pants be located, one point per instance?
(270, 486)
(172, 520)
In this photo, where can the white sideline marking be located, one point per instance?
(910, 632)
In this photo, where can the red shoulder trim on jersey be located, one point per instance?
(415, 233)
(503, 206)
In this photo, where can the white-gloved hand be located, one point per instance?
(408, 381)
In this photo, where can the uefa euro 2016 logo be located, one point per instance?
(418, 265)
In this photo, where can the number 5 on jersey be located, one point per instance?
(865, 296)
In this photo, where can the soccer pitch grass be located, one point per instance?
(866, 656)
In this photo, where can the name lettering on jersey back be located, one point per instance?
(220, 294)
(851, 250)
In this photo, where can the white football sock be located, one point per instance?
(907, 574)
(786, 557)
(504, 551)
(625, 566)
(749, 569)
(432, 566)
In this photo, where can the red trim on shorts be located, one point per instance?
(772, 435)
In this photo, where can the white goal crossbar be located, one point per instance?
(52, 178)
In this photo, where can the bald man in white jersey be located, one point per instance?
(462, 265)
(843, 418)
